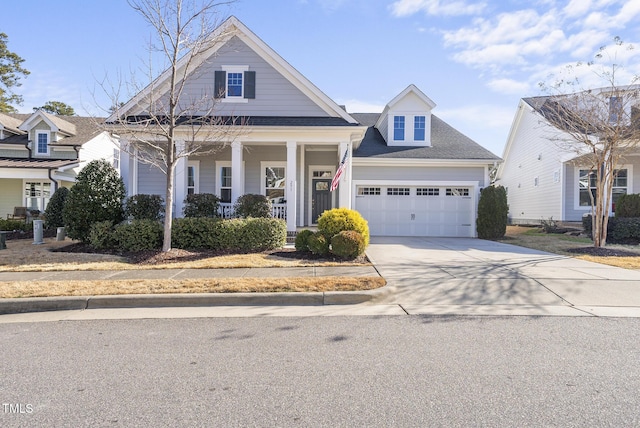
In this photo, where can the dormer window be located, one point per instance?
(42, 143)
(235, 83)
(398, 128)
(419, 125)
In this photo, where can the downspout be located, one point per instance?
(55, 182)
(28, 147)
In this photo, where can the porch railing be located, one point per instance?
(277, 210)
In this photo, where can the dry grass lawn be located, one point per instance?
(533, 237)
(23, 256)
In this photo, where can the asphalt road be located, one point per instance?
(322, 371)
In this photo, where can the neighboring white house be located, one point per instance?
(40, 152)
(545, 180)
(407, 171)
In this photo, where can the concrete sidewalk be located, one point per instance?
(425, 276)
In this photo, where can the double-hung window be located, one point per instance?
(234, 83)
(419, 125)
(398, 128)
(193, 182)
(37, 194)
(225, 184)
(274, 183)
(587, 182)
(42, 143)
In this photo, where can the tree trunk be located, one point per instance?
(166, 243)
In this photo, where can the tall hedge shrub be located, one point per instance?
(96, 196)
(251, 205)
(628, 206)
(493, 213)
(53, 212)
(201, 205)
(144, 207)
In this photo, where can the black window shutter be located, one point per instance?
(219, 85)
(250, 84)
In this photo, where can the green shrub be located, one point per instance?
(347, 244)
(262, 234)
(628, 206)
(318, 244)
(144, 207)
(492, 213)
(334, 221)
(195, 233)
(53, 212)
(11, 225)
(252, 206)
(620, 230)
(101, 236)
(201, 205)
(255, 234)
(96, 196)
(302, 240)
(139, 235)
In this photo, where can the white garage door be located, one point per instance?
(416, 210)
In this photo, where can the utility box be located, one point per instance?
(38, 232)
(60, 235)
(3, 240)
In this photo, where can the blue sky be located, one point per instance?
(474, 59)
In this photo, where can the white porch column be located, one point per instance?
(291, 192)
(344, 188)
(301, 189)
(180, 181)
(237, 183)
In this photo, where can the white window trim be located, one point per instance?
(576, 190)
(263, 175)
(41, 202)
(234, 69)
(48, 152)
(409, 128)
(195, 164)
(312, 169)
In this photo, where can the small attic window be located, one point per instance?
(42, 143)
(398, 128)
(419, 125)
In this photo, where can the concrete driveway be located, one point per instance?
(463, 276)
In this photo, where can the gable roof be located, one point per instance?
(216, 40)
(409, 89)
(11, 124)
(446, 143)
(85, 129)
(56, 123)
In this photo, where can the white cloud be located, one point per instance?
(359, 106)
(509, 86)
(437, 7)
(577, 8)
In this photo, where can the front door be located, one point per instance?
(320, 198)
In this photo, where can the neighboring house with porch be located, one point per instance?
(40, 152)
(407, 171)
(543, 179)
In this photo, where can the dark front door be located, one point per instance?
(320, 198)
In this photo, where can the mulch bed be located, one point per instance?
(157, 257)
(603, 252)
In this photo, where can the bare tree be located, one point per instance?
(165, 122)
(599, 126)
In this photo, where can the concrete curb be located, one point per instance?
(43, 304)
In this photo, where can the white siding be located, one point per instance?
(275, 95)
(533, 158)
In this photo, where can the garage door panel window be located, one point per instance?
(368, 191)
(398, 191)
(457, 192)
(427, 191)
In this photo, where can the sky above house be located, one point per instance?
(474, 59)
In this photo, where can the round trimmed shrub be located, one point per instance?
(493, 212)
(96, 196)
(348, 244)
(336, 220)
(139, 235)
(195, 233)
(318, 244)
(251, 205)
(144, 207)
(302, 240)
(101, 236)
(53, 212)
(201, 205)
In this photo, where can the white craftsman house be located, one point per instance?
(40, 152)
(544, 179)
(407, 171)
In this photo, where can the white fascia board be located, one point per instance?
(423, 162)
(24, 173)
(412, 88)
(13, 147)
(29, 122)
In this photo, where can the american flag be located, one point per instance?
(336, 178)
